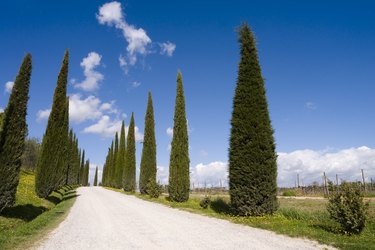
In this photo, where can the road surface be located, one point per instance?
(104, 219)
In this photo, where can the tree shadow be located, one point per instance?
(55, 200)
(25, 212)
(68, 197)
(220, 206)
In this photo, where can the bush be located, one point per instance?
(205, 202)
(289, 193)
(153, 189)
(346, 206)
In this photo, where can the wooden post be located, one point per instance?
(325, 183)
(363, 179)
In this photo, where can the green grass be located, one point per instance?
(303, 218)
(31, 217)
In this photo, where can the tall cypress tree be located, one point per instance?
(114, 162)
(120, 162)
(148, 160)
(96, 177)
(179, 175)
(13, 136)
(129, 172)
(82, 169)
(53, 153)
(252, 156)
(86, 173)
(70, 163)
(110, 165)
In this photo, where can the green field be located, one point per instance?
(303, 218)
(31, 217)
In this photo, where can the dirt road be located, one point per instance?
(104, 219)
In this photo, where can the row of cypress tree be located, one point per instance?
(120, 162)
(60, 162)
(252, 155)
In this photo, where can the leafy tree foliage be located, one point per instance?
(129, 173)
(252, 156)
(148, 160)
(13, 134)
(52, 162)
(179, 175)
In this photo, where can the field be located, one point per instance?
(296, 217)
(32, 216)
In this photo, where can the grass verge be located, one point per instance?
(32, 217)
(303, 218)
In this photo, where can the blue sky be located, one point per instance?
(318, 60)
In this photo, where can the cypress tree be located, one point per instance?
(96, 177)
(82, 169)
(70, 164)
(252, 156)
(148, 160)
(86, 173)
(129, 172)
(120, 162)
(64, 171)
(13, 136)
(179, 175)
(52, 158)
(114, 162)
(110, 165)
(79, 167)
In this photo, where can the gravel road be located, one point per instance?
(104, 219)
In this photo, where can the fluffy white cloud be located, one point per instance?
(310, 165)
(92, 77)
(210, 174)
(43, 114)
(104, 127)
(136, 38)
(138, 41)
(170, 132)
(107, 127)
(83, 109)
(9, 87)
(167, 48)
(90, 108)
(1, 110)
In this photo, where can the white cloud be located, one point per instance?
(43, 114)
(110, 13)
(167, 48)
(92, 77)
(210, 174)
(81, 110)
(310, 165)
(90, 108)
(107, 127)
(170, 132)
(136, 38)
(138, 41)
(1, 110)
(311, 106)
(104, 127)
(9, 87)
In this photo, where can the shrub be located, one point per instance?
(153, 189)
(346, 206)
(205, 202)
(289, 193)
